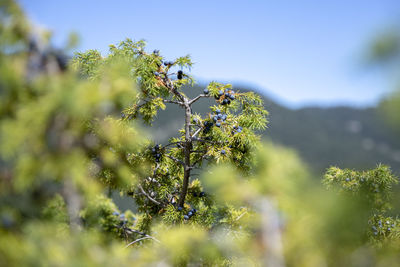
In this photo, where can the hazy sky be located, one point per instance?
(300, 52)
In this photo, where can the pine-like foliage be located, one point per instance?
(375, 188)
(226, 134)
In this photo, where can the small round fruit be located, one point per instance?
(205, 91)
(223, 152)
(180, 75)
(186, 217)
(218, 124)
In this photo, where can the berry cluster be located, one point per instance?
(201, 194)
(225, 97)
(190, 214)
(382, 227)
(195, 120)
(237, 129)
(168, 63)
(219, 117)
(180, 75)
(207, 126)
(156, 152)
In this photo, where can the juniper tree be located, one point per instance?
(225, 134)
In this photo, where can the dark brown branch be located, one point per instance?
(176, 160)
(187, 149)
(198, 151)
(174, 143)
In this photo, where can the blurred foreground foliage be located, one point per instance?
(63, 146)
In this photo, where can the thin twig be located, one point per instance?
(174, 143)
(198, 151)
(140, 239)
(155, 169)
(173, 102)
(197, 132)
(197, 98)
(148, 196)
(176, 160)
(240, 216)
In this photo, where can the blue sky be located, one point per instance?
(300, 52)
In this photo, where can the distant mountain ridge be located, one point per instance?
(342, 136)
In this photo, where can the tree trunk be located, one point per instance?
(187, 149)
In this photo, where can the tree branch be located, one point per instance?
(176, 160)
(173, 102)
(148, 196)
(198, 151)
(197, 98)
(197, 132)
(174, 143)
(140, 239)
(188, 147)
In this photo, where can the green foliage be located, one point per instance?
(212, 195)
(226, 134)
(376, 185)
(375, 188)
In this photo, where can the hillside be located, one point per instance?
(342, 136)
